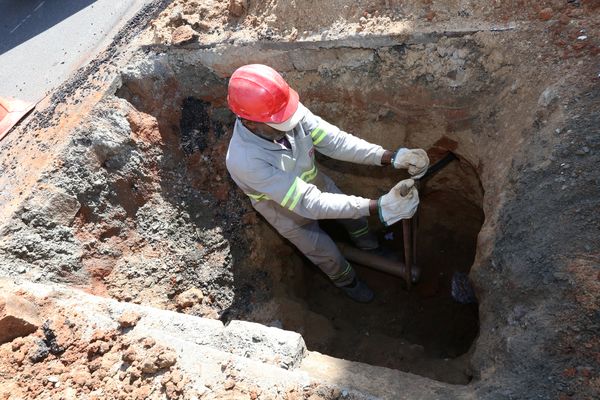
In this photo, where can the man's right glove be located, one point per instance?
(400, 203)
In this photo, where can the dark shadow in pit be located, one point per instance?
(422, 331)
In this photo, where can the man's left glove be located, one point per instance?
(415, 160)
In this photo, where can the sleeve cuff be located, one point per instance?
(363, 206)
(378, 155)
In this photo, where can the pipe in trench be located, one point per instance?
(376, 262)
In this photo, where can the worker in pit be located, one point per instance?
(271, 157)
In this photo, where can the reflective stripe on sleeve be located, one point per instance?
(258, 197)
(309, 175)
(317, 135)
(292, 194)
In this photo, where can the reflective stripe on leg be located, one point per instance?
(360, 232)
(344, 277)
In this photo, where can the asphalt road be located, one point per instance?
(43, 42)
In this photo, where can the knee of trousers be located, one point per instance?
(320, 249)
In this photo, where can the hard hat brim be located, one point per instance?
(292, 121)
(288, 111)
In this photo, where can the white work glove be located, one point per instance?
(415, 160)
(400, 203)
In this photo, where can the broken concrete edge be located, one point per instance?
(358, 40)
(268, 355)
(222, 57)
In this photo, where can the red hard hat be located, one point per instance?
(258, 93)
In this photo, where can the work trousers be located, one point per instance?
(312, 241)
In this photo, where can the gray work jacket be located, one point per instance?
(269, 172)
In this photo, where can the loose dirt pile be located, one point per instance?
(69, 359)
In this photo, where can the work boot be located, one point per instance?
(358, 291)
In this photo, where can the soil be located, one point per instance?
(69, 359)
(134, 201)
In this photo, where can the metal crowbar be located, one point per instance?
(410, 225)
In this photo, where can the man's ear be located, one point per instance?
(248, 124)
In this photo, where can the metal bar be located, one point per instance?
(441, 163)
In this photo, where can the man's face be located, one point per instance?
(263, 130)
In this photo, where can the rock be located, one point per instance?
(55, 205)
(157, 358)
(80, 376)
(129, 319)
(39, 353)
(147, 366)
(166, 359)
(547, 96)
(18, 317)
(183, 35)
(238, 7)
(546, 14)
(189, 298)
(229, 384)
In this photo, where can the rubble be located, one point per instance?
(183, 35)
(238, 7)
(18, 317)
(189, 298)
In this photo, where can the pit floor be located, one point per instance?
(423, 331)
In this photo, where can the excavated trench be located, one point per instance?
(371, 93)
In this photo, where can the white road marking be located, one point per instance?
(20, 23)
(38, 6)
(27, 17)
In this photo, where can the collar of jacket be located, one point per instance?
(249, 137)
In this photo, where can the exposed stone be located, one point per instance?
(129, 319)
(183, 35)
(189, 298)
(55, 205)
(166, 359)
(229, 384)
(18, 317)
(546, 14)
(157, 358)
(238, 7)
(547, 96)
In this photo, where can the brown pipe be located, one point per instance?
(372, 260)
